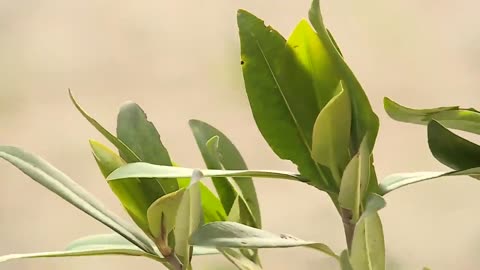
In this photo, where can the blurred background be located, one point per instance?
(180, 60)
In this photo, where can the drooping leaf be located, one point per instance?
(398, 180)
(239, 260)
(141, 136)
(235, 235)
(230, 159)
(451, 149)
(130, 192)
(102, 244)
(189, 218)
(364, 120)
(57, 182)
(450, 117)
(368, 245)
(355, 182)
(281, 95)
(146, 170)
(331, 134)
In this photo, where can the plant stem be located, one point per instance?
(174, 262)
(348, 226)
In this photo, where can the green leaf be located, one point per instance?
(57, 182)
(451, 149)
(146, 170)
(312, 55)
(368, 245)
(235, 235)
(241, 214)
(101, 244)
(162, 216)
(230, 159)
(104, 244)
(451, 117)
(141, 136)
(331, 134)
(374, 203)
(130, 192)
(239, 260)
(355, 182)
(399, 180)
(345, 261)
(281, 95)
(189, 218)
(364, 120)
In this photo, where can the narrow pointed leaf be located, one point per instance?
(355, 182)
(57, 182)
(211, 206)
(331, 134)
(281, 95)
(146, 170)
(450, 117)
(235, 235)
(239, 260)
(188, 219)
(368, 245)
(230, 159)
(241, 214)
(451, 149)
(141, 136)
(364, 120)
(130, 192)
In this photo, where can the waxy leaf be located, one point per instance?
(364, 120)
(130, 192)
(162, 215)
(230, 159)
(235, 235)
(146, 170)
(345, 261)
(241, 214)
(281, 95)
(451, 149)
(188, 219)
(141, 136)
(368, 245)
(450, 117)
(331, 134)
(239, 260)
(355, 182)
(95, 245)
(57, 182)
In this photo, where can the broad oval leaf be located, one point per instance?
(451, 149)
(451, 117)
(331, 134)
(146, 170)
(235, 235)
(368, 245)
(57, 182)
(281, 96)
(141, 136)
(230, 159)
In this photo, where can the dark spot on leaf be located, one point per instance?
(295, 46)
(243, 243)
(242, 62)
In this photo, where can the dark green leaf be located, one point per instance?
(141, 136)
(230, 159)
(57, 182)
(451, 117)
(281, 95)
(451, 149)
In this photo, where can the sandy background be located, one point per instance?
(179, 60)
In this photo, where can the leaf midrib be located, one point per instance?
(299, 130)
